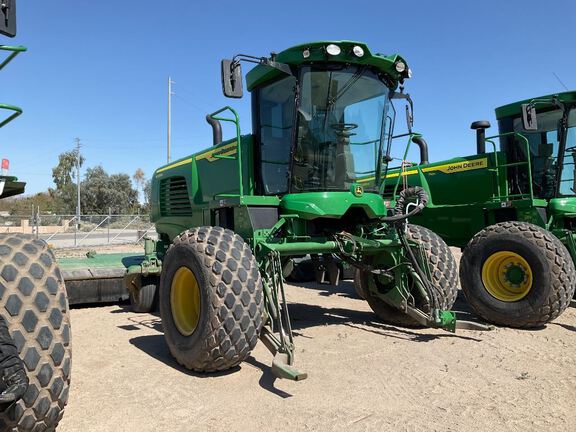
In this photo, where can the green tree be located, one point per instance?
(100, 192)
(64, 177)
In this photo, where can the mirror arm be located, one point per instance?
(282, 67)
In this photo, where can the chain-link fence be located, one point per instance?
(63, 231)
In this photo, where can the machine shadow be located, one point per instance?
(306, 316)
(155, 346)
(267, 379)
(344, 289)
(303, 316)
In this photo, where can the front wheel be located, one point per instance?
(517, 274)
(211, 299)
(443, 270)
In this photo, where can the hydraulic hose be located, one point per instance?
(432, 296)
(403, 201)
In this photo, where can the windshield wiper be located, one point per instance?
(330, 102)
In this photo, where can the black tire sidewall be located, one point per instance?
(43, 405)
(553, 272)
(183, 255)
(231, 299)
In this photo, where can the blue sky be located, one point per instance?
(98, 70)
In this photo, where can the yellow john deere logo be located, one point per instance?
(213, 155)
(358, 190)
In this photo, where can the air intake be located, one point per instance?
(174, 199)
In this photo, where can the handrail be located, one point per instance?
(16, 113)
(236, 121)
(410, 136)
(15, 50)
(512, 164)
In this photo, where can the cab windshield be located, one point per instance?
(341, 128)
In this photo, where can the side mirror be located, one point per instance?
(231, 79)
(409, 108)
(529, 117)
(410, 115)
(8, 18)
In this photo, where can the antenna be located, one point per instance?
(560, 81)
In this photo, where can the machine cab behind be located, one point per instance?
(547, 126)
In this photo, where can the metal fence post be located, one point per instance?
(37, 222)
(109, 222)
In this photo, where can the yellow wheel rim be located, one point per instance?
(507, 276)
(185, 301)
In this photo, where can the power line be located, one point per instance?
(193, 105)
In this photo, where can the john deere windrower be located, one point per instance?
(512, 210)
(231, 218)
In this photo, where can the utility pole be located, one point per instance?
(78, 145)
(170, 94)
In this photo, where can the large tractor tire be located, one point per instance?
(443, 270)
(359, 285)
(146, 298)
(33, 301)
(517, 274)
(211, 299)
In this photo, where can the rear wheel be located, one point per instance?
(146, 298)
(443, 270)
(211, 299)
(359, 285)
(517, 274)
(33, 301)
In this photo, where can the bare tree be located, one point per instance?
(138, 178)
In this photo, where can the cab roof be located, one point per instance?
(317, 54)
(515, 109)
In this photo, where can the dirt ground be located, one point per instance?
(363, 376)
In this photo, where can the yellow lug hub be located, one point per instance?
(507, 276)
(185, 301)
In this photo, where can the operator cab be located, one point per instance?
(332, 139)
(549, 125)
(322, 116)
